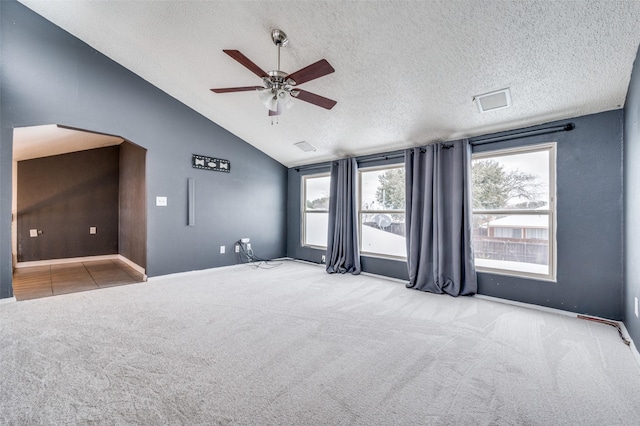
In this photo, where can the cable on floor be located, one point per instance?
(249, 258)
(608, 322)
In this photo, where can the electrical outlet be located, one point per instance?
(161, 201)
(636, 306)
(222, 249)
(33, 233)
(237, 248)
(323, 259)
(93, 230)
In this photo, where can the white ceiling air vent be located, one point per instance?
(305, 146)
(493, 100)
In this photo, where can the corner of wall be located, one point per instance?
(631, 181)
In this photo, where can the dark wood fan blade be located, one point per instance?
(235, 54)
(312, 98)
(237, 89)
(313, 71)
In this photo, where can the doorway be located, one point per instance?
(79, 197)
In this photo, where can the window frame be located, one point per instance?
(551, 211)
(362, 211)
(304, 211)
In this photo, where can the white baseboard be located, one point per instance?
(369, 274)
(384, 277)
(528, 305)
(7, 300)
(133, 265)
(308, 262)
(197, 271)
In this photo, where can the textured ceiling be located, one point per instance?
(406, 71)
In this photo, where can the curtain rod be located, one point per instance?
(391, 156)
(473, 141)
(516, 135)
(313, 167)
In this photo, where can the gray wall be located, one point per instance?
(589, 235)
(589, 222)
(632, 202)
(50, 77)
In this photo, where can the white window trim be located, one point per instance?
(304, 211)
(361, 211)
(551, 211)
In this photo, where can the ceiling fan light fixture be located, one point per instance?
(265, 95)
(286, 100)
(273, 104)
(269, 100)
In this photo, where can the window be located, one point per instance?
(514, 211)
(382, 211)
(315, 210)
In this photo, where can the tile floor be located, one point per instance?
(50, 280)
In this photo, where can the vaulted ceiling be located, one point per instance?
(406, 71)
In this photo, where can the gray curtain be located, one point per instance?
(342, 240)
(438, 203)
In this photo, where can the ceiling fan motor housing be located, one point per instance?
(278, 82)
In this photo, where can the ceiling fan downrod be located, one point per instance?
(280, 39)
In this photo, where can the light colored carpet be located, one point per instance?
(294, 345)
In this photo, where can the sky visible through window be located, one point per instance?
(370, 183)
(318, 187)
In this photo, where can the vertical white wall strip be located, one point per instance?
(191, 201)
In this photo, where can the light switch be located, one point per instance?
(161, 201)
(33, 233)
(222, 249)
(92, 230)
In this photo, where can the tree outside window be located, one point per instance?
(513, 210)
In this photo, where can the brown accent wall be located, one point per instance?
(133, 206)
(62, 196)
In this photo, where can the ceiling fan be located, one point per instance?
(278, 87)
